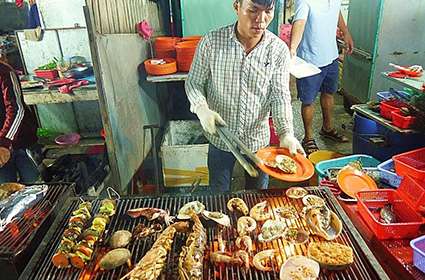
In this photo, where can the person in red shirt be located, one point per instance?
(18, 129)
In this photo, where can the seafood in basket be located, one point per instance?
(331, 255)
(192, 254)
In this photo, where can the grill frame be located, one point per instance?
(38, 264)
(14, 260)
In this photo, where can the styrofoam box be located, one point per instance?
(184, 153)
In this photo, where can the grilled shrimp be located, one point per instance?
(244, 257)
(244, 243)
(237, 204)
(259, 212)
(192, 254)
(246, 225)
(221, 257)
(262, 257)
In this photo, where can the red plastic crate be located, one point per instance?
(411, 163)
(369, 204)
(387, 107)
(47, 74)
(402, 121)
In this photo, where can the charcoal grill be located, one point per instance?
(40, 267)
(21, 238)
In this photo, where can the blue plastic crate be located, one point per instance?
(364, 125)
(321, 167)
(386, 95)
(388, 175)
(418, 246)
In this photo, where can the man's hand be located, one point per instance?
(349, 44)
(4, 156)
(209, 119)
(292, 144)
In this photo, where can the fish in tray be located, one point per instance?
(19, 202)
(387, 214)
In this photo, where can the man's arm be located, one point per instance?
(302, 10)
(14, 109)
(280, 100)
(198, 76)
(348, 40)
(296, 35)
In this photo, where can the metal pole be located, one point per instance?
(151, 127)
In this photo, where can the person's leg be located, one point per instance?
(307, 113)
(220, 168)
(27, 169)
(328, 88)
(327, 104)
(260, 183)
(8, 173)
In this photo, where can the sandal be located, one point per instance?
(309, 146)
(334, 135)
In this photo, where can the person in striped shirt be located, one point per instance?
(18, 129)
(239, 75)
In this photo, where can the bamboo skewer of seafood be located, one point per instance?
(153, 262)
(192, 254)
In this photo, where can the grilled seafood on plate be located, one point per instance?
(151, 214)
(286, 212)
(271, 230)
(286, 164)
(295, 235)
(244, 243)
(218, 217)
(299, 268)
(262, 260)
(192, 254)
(188, 208)
(313, 200)
(153, 262)
(331, 255)
(323, 222)
(260, 212)
(237, 204)
(246, 225)
(296, 192)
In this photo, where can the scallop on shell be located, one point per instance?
(193, 206)
(299, 267)
(323, 222)
(218, 217)
(271, 230)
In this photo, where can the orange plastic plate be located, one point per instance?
(305, 169)
(351, 181)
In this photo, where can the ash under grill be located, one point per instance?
(21, 238)
(364, 266)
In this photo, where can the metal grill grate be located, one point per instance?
(365, 266)
(15, 237)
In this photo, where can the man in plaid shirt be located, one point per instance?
(240, 73)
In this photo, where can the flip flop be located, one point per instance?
(334, 135)
(309, 146)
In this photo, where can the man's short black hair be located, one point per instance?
(264, 3)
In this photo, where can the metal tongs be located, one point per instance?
(236, 146)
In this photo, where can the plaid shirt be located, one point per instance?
(242, 88)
